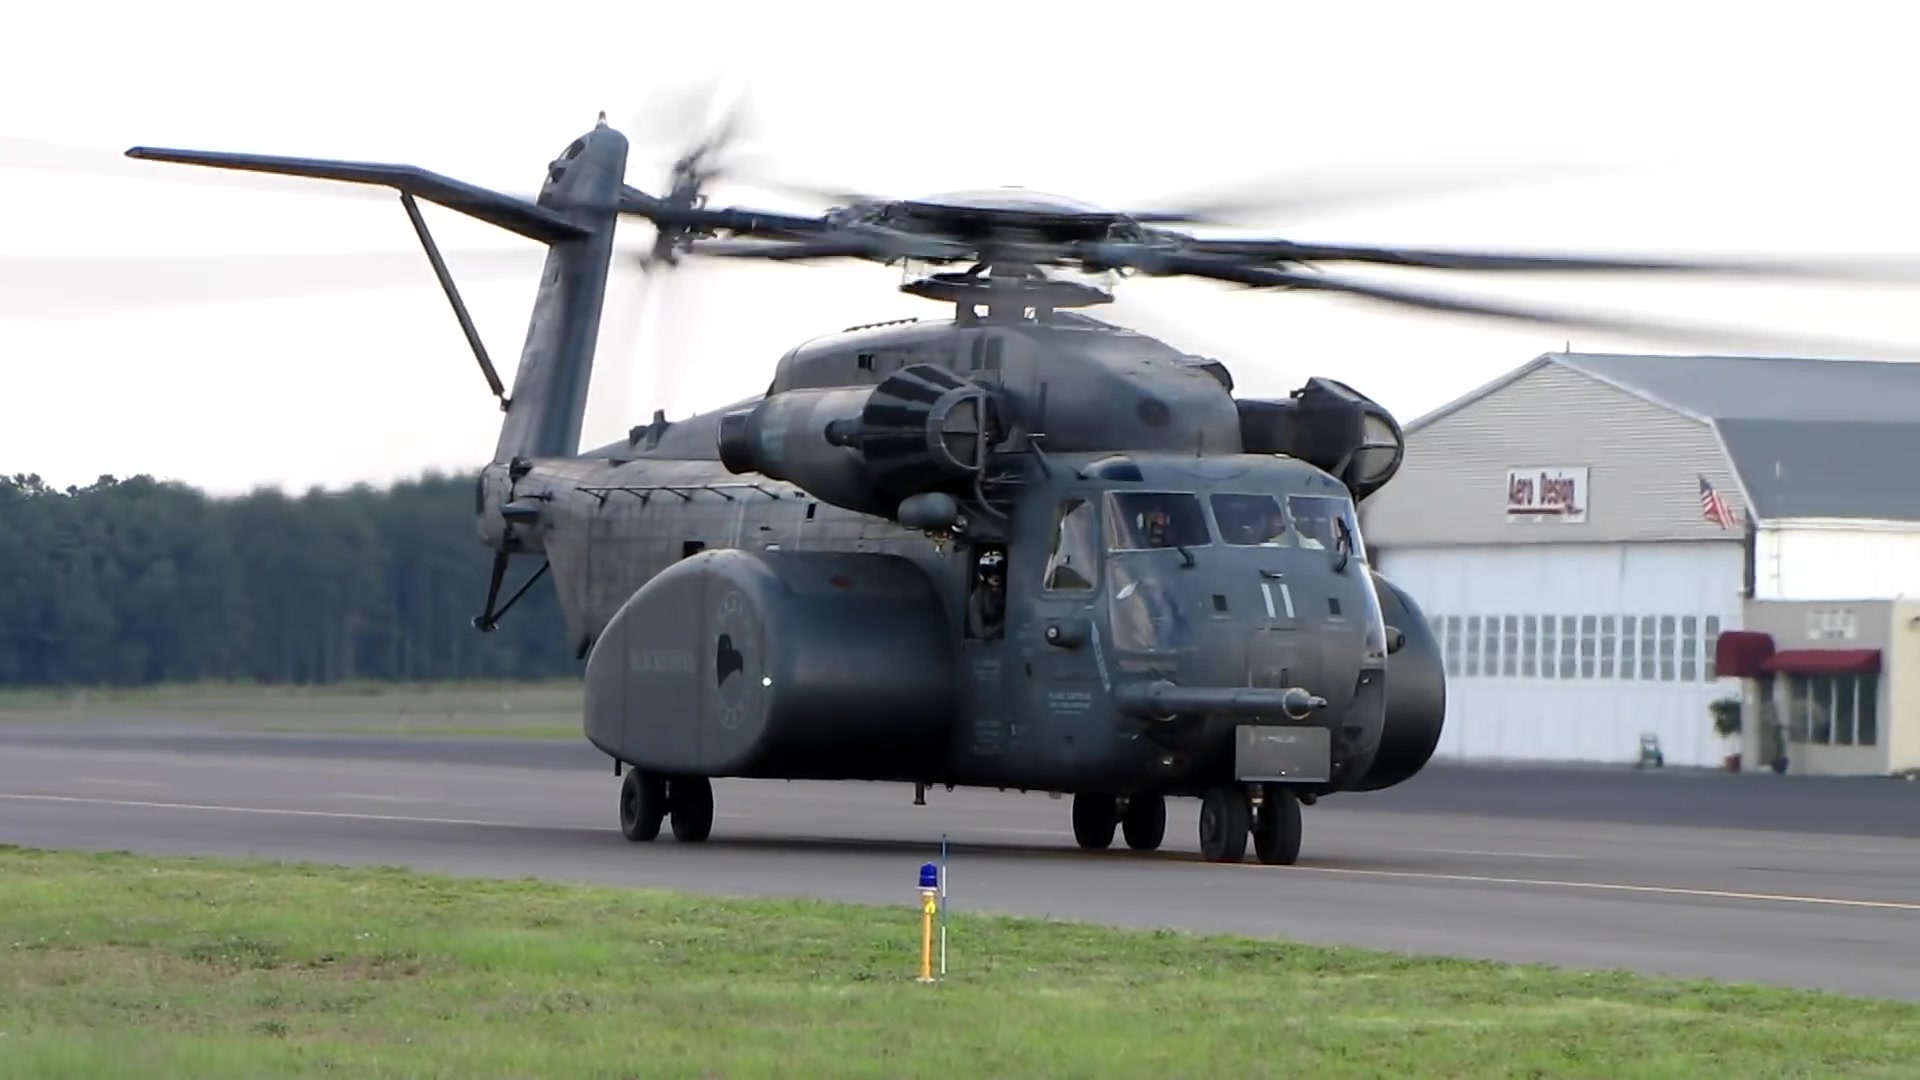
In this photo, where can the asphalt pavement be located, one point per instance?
(1793, 881)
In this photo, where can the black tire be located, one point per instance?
(1094, 817)
(1145, 822)
(691, 802)
(1276, 829)
(643, 806)
(1225, 817)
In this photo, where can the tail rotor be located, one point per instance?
(709, 123)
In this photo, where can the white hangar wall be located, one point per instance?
(1569, 652)
(1841, 560)
(1567, 635)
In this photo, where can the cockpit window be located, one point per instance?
(1326, 521)
(1249, 520)
(1138, 520)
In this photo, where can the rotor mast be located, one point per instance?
(1004, 292)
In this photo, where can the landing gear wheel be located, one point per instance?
(1225, 817)
(690, 799)
(643, 805)
(1276, 828)
(1094, 817)
(1145, 822)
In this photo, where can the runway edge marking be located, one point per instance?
(1412, 875)
(1604, 886)
(285, 811)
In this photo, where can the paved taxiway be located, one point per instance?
(1793, 881)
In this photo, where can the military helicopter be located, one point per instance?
(1017, 547)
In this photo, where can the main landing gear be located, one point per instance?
(647, 799)
(1142, 819)
(1230, 813)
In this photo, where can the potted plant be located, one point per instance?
(1726, 724)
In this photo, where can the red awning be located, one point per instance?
(1823, 661)
(1742, 653)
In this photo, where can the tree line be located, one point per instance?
(136, 582)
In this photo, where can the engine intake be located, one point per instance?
(1331, 426)
(922, 429)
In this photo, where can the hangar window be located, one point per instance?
(1569, 641)
(1530, 647)
(1629, 627)
(1689, 647)
(1549, 639)
(1509, 645)
(1473, 645)
(1589, 644)
(1647, 648)
(1076, 548)
(1713, 640)
(1609, 641)
(1667, 648)
(1454, 643)
(1833, 710)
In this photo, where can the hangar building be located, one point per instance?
(1583, 530)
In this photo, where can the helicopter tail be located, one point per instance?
(575, 215)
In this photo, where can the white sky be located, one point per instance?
(1752, 132)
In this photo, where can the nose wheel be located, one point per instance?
(1225, 816)
(1229, 816)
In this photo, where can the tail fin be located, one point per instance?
(575, 215)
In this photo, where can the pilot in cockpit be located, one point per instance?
(1250, 520)
(1271, 525)
(1312, 522)
(1156, 528)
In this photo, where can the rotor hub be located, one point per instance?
(1007, 292)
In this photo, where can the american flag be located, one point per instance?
(1713, 507)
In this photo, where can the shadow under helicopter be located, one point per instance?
(923, 850)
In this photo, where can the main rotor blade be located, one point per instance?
(1299, 252)
(864, 243)
(824, 247)
(1330, 190)
(1708, 337)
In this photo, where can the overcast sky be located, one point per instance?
(1684, 127)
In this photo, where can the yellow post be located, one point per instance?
(928, 906)
(929, 903)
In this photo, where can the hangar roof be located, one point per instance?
(1808, 438)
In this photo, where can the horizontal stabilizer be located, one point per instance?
(518, 215)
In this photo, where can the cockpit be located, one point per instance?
(1120, 542)
(1150, 610)
(1146, 520)
(1143, 520)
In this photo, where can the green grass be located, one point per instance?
(118, 966)
(537, 710)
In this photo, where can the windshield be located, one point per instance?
(1140, 520)
(1148, 616)
(1249, 520)
(1326, 521)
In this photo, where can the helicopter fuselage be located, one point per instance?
(1173, 616)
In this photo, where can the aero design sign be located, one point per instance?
(1547, 493)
